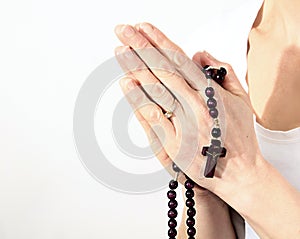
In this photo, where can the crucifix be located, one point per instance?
(213, 152)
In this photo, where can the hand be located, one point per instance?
(157, 71)
(160, 78)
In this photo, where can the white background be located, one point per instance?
(48, 49)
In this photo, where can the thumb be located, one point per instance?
(231, 82)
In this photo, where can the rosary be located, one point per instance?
(213, 152)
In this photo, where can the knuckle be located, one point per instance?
(142, 43)
(154, 114)
(228, 67)
(179, 58)
(136, 99)
(158, 90)
(165, 69)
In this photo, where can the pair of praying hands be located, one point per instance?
(160, 81)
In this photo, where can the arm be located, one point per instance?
(269, 204)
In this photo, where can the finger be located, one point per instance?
(231, 82)
(149, 112)
(154, 141)
(191, 72)
(153, 59)
(156, 145)
(152, 86)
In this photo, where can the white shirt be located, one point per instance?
(225, 37)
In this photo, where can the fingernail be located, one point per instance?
(118, 50)
(121, 50)
(146, 27)
(128, 31)
(118, 28)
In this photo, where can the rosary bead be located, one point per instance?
(190, 202)
(209, 92)
(189, 184)
(172, 204)
(190, 222)
(173, 184)
(191, 231)
(191, 212)
(216, 132)
(208, 72)
(189, 193)
(172, 232)
(172, 223)
(213, 112)
(219, 79)
(175, 168)
(211, 103)
(223, 71)
(171, 194)
(172, 213)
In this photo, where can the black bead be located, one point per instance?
(190, 222)
(175, 168)
(189, 184)
(172, 223)
(223, 71)
(214, 74)
(171, 194)
(173, 184)
(190, 202)
(211, 103)
(173, 204)
(208, 73)
(172, 213)
(172, 232)
(216, 142)
(213, 113)
(189, 193)
(219, 79)
(216, 132)
(191, 212)
(191, 231)
(209, 92)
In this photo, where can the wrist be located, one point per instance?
(269, 201)
(253, 187)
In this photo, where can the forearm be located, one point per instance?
(271, 205)
(212, 218)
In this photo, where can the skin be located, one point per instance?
(244, 176)
(274, 90)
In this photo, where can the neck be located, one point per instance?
(281, 11)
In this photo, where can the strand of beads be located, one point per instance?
(214, 151)
(191, 211)
(172, 213)
(190, 203)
